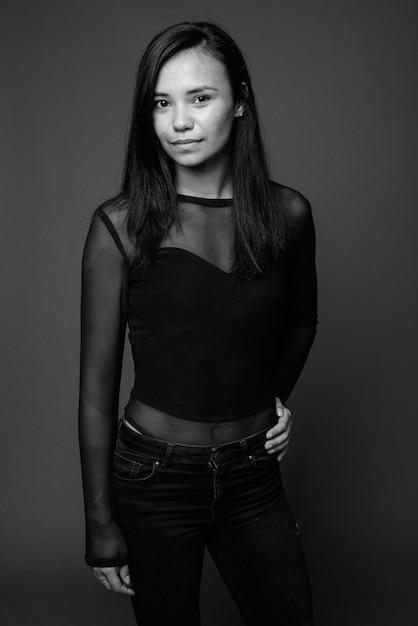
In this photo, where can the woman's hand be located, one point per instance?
(278, 437)
(115, 579)
(107, 542)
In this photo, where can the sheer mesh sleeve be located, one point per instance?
(302, 318)
(103, 324)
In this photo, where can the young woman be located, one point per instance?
(212, 267)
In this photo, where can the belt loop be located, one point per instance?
(168, 454)
(243, 444)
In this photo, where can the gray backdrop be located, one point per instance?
(336, 85)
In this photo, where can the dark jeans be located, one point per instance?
(173, 500)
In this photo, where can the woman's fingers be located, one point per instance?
(282, 453)
(115, 579)
(102, 578)
(278, 436)
(277, 443)
(124, 574)
(117, 584)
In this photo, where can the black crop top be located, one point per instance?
(206, 345)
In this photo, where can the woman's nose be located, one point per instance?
(181, 120)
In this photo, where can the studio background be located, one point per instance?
(337, 93)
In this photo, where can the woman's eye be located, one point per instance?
(161, 104)
(202, 99)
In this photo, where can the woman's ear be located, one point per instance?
(239, 109)
(241, 104)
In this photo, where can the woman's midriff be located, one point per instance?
(160, 425)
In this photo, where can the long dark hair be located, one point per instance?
(148, 189)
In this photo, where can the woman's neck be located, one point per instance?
(204, 184)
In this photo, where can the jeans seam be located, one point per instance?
(232, 586)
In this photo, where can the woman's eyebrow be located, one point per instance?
(190, 92)
(202, 88)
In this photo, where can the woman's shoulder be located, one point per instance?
(293, 203)
(295, 207)
(114, 213)
(114, 217)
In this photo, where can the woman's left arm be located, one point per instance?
(301, 321)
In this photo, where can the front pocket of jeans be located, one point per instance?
(131, 470)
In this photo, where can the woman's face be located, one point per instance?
(194, 110)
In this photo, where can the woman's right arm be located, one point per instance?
(103, 325)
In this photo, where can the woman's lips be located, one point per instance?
(182, 142)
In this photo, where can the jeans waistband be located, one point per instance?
(158, 448)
